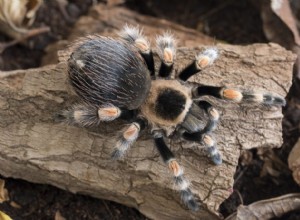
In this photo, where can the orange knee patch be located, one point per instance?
(168, 56)
(214, 113)
(131, 132)
(143, 45)
(203, 62)
(108, 112)
(208, 140)
(232, 94)
(174, 166)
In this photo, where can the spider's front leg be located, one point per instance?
(238, 95)
(180, 181)
(133, 35)
(201, 61)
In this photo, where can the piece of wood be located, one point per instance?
(35, 148)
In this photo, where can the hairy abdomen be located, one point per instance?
(104, 70)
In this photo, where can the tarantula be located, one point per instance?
(115, 78)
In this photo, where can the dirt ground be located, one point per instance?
(220, 19)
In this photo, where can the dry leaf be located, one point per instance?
(280, 26)
(3, 192)
(273, 165)
(283, 10)
(58, 216)
(4, 216)
(267, 209)
(15, 205)
(17, 15)
(246, 157)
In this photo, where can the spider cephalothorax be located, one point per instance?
(115, 78)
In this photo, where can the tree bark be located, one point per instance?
(35, 148)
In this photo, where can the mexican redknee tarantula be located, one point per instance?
(115, 78)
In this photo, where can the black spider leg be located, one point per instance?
(128, 137)
(212, 113)
(206, 139)
(86, 115)
(202, 60)
(181, 183)
(134, 36)
(203, 136)
(166, 49)
(148, 57)
(238, 95)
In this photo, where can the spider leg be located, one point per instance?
(202, 60)
(212, 113)
(209, 143)
(86, 115)
(238, 95)
(166, 45)
(180, 181)
(128, 137)
(134, 35)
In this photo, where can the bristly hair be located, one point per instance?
(82, 114)
(167, 40)
(124, 75)
(131, 33)
(211, 53)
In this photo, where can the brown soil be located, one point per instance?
(236, 22)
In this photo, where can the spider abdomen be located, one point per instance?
(104, 70)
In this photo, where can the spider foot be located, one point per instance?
(183, 185)
(215, 155)
(212, 149)
(189, 200)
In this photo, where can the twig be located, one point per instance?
(29, 34)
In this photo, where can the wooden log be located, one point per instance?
(35, 148)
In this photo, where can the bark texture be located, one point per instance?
(35, 148)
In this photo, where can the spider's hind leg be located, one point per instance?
(181, 183)
(128, 137)
(166, 45)
(133, 35)
(86, 115)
